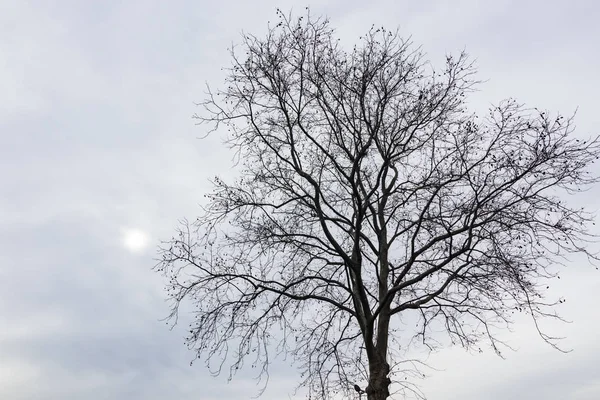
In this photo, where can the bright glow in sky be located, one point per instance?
(135, 240)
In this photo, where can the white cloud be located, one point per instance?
(96, 131)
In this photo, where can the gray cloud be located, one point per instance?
(97, 136)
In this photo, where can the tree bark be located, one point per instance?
(379, 381)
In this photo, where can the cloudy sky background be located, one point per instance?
(98, 143)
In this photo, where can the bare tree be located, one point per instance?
(368, 193)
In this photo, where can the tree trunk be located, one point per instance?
(379, 381)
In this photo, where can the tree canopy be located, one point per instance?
(369, 194)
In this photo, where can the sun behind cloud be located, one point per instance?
(135, 240)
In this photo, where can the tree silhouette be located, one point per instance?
(369, 194)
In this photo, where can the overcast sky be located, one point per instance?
(99, 159)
